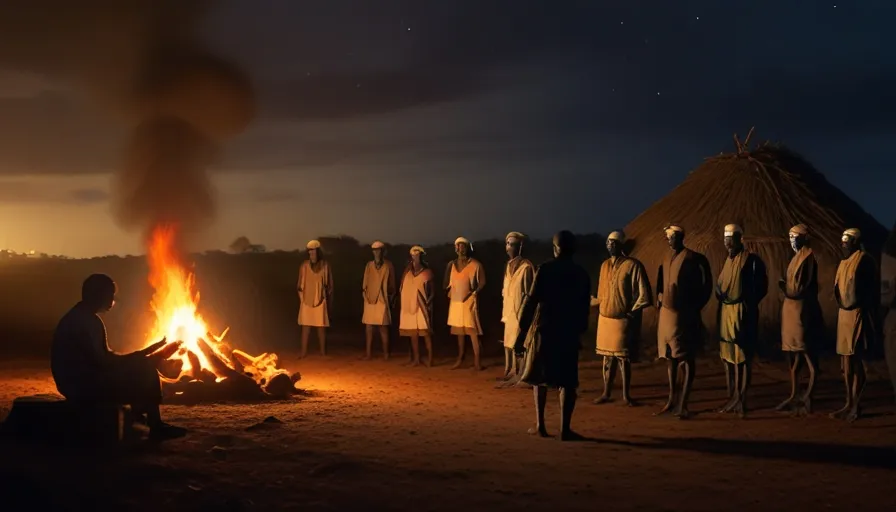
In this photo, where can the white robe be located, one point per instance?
(314, 289)
(463, 316)
(378, 286)
(415, 311)
(516, 289)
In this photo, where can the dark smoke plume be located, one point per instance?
(144, 60)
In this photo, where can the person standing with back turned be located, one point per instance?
(552, 322)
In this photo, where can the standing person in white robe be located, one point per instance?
(464, 279)
(518, 275)
(378, 290)
(315, 290)
(417, 292)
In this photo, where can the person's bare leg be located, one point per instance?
(731, 370)
(847, 378)
(384, 338)
(729, 379)
(858, 387)
(567, 406)
(541, 399)
(322, 340)
(415, 349)
(794, 361)
(745, 377)
(368, 331)
(609, 375)
(427, 338)
(689, 368)
(460, 352)
(474, 340)
(625, 367)
(671, 372)
(508, 364)
(806, 406)
(306, 334)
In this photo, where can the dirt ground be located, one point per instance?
(385, 437)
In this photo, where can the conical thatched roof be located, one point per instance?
(890, 247)
(766, 190)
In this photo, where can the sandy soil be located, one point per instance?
(386, 437)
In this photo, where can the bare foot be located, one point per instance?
(537, 431)
(728, 407)
(806, 405)
(853, 415)
(457, 364)
(682, 414)
(414, 364)
(428, 363)
(628, 402)
(666, 408)
(602, 399)
(786, 405)
(841, 413)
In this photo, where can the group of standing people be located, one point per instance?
(546, 309)
(464, 279)
(684, 287)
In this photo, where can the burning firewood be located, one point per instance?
(195, 365)
(171, 368)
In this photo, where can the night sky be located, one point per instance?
(418, 121)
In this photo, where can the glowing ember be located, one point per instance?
(175, 304)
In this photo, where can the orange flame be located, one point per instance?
(175, 305)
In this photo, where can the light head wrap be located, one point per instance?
(731, 229)
(462, 240)
(514, 235)
(313, 244)
(673, 228)
(619, 236)
(417, 250)
(851, 232)
(799, 229)
(377, 245)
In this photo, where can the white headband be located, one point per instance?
(731, 229)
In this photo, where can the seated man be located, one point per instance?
(86, 370)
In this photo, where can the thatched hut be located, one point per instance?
(766, 190)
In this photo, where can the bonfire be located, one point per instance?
(205, 367)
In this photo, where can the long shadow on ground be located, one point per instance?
(822, 453)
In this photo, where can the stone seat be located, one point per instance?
(53, 419)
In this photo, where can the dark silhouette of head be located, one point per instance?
(675, 237)
(417, 254)
(463, 247)
(564, 245)
(98, 292)
(513, 244)
(314, 252)
(379, 251)
(799, 237)
(850, 242)
(615, 242)
(734, 239)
